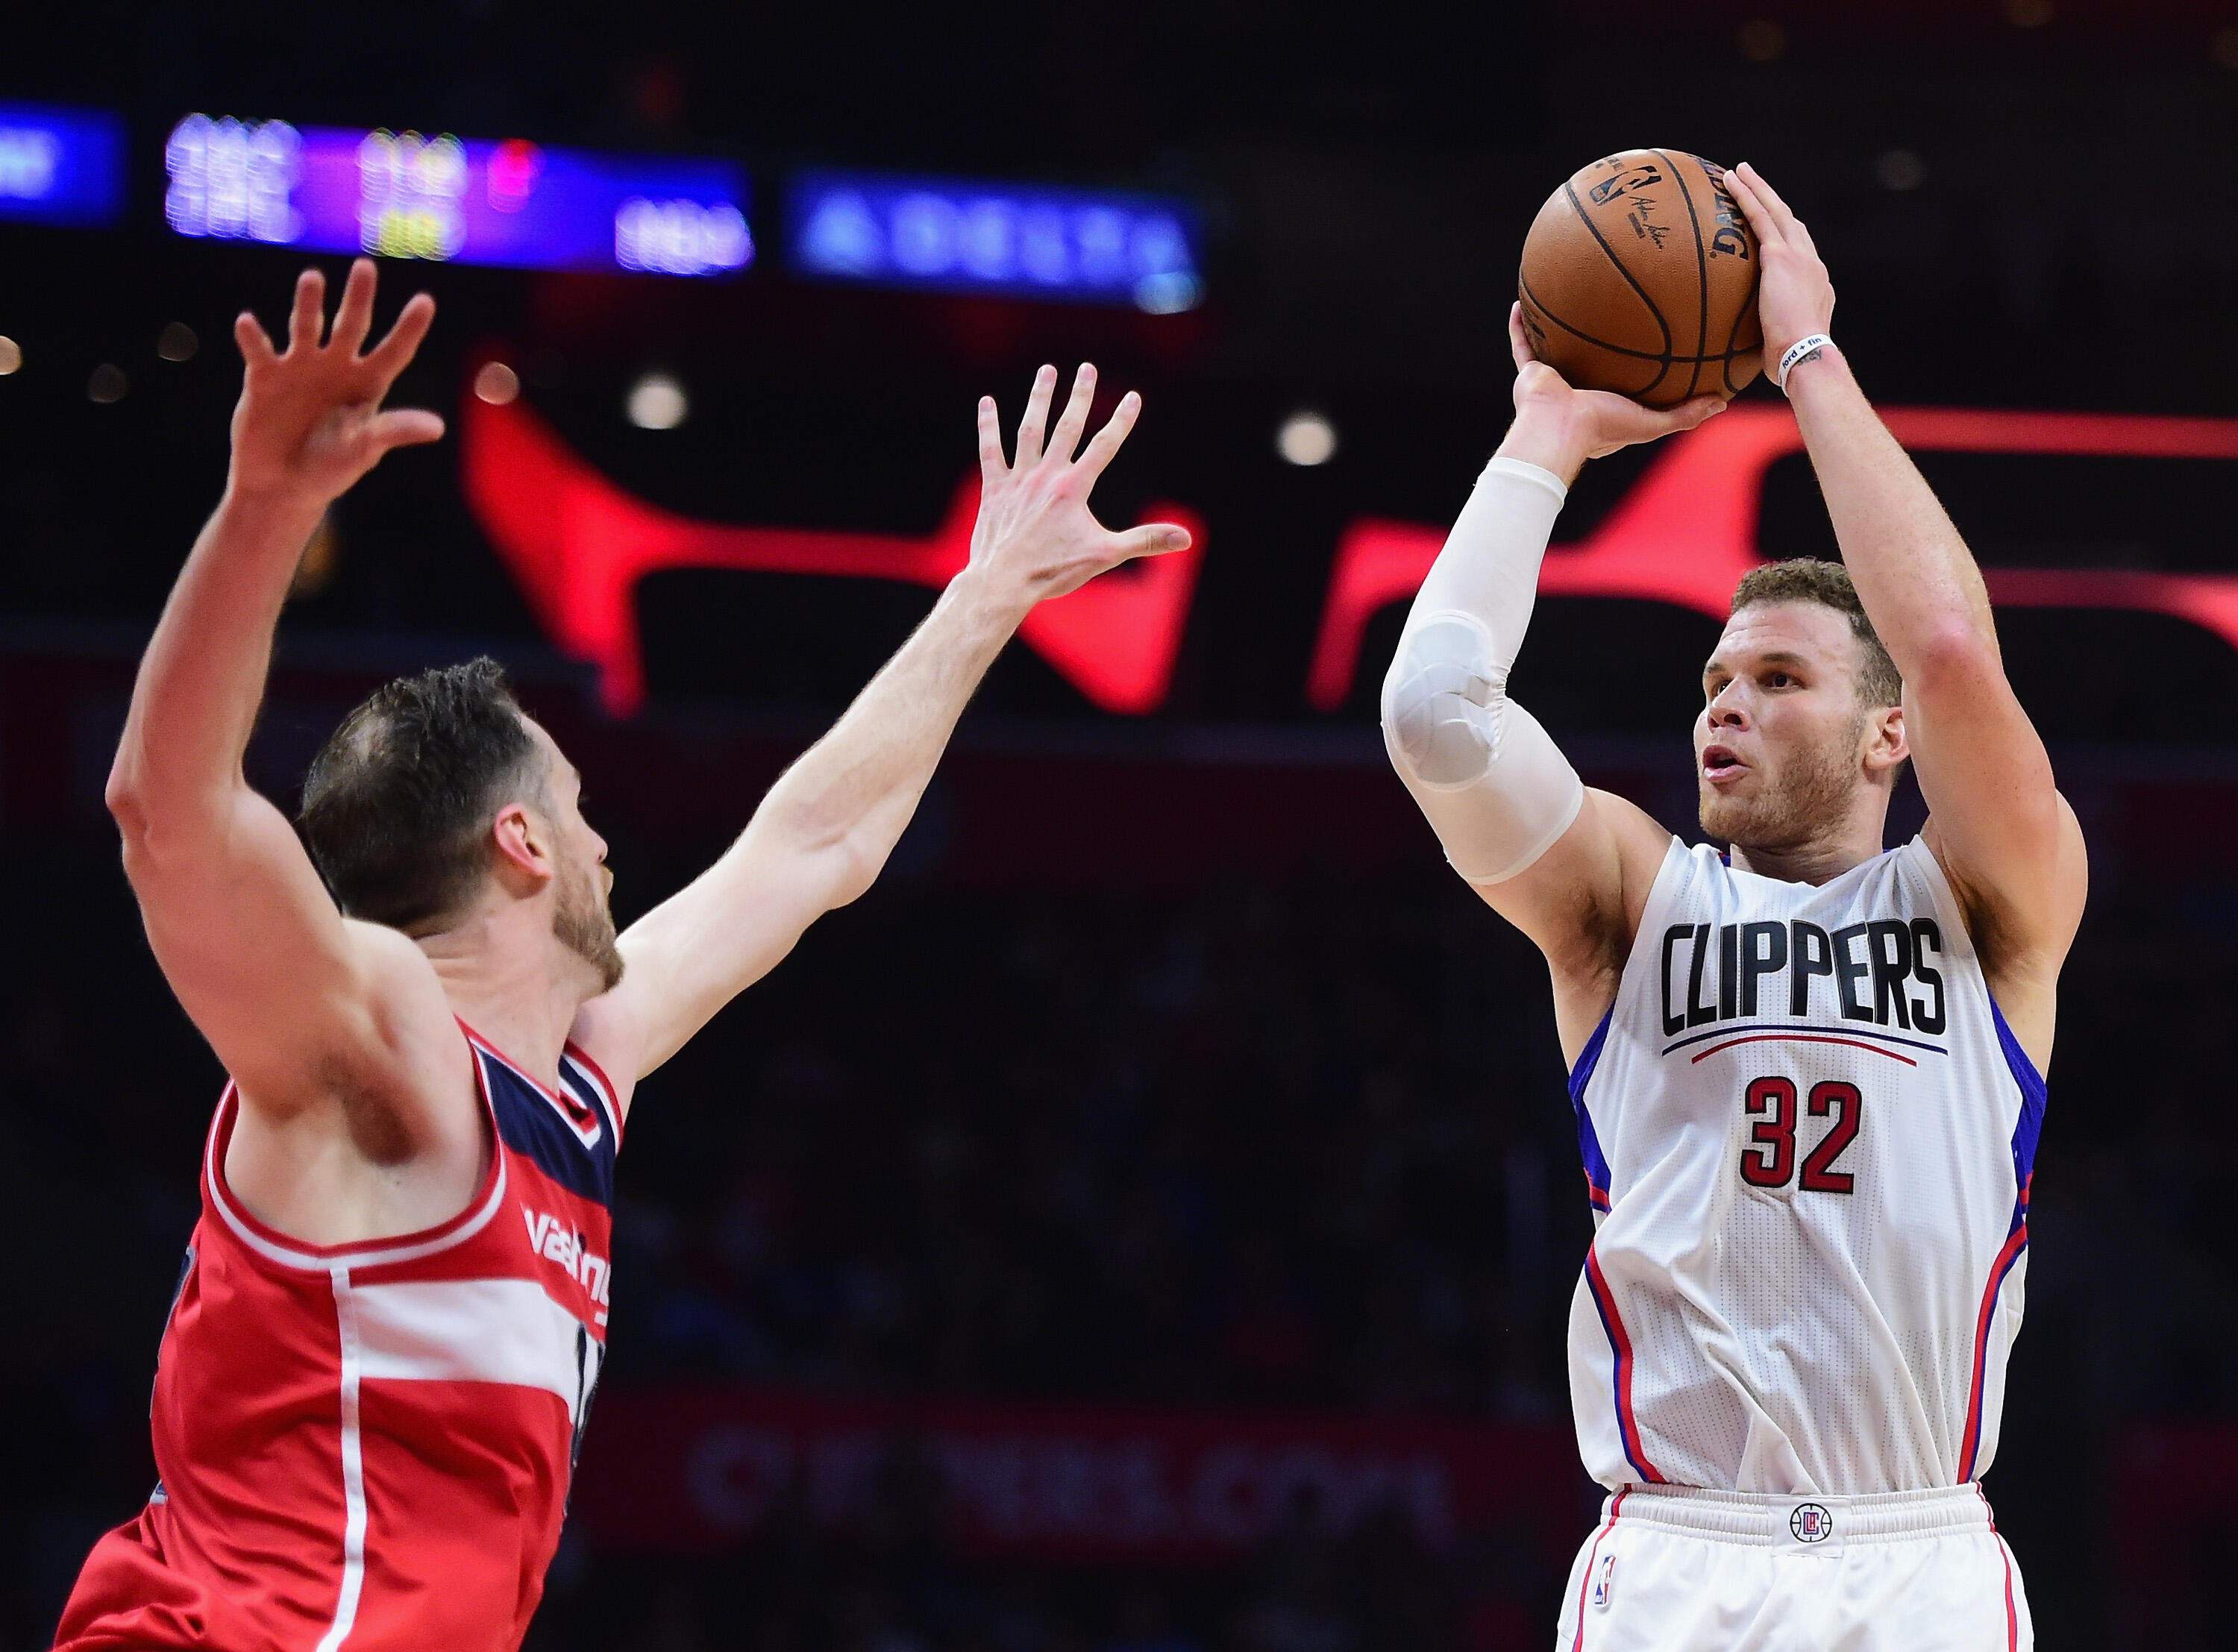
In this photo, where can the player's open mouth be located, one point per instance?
(1720, 763)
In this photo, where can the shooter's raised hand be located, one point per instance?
(1035, 533)
(1558, 426)
(309, 422)
(1795, 296)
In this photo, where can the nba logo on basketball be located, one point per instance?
(1810, 1524)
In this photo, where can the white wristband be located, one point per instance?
(1797, 353)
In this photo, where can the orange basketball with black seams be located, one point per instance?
(1639, 277)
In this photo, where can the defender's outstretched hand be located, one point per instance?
(309, 421)
(1035, 531)
(1559, 428)
(1795, 296)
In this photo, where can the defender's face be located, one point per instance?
(582, 917)
(582, 852)
(1779, 747)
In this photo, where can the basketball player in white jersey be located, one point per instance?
(1807, 1072)
(393, 1314)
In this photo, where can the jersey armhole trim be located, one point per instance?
(288, 1252)
(603, 1086)
(1589, 1143)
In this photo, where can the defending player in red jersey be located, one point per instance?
(394, 1311)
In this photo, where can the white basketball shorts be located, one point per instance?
(1681, 1570)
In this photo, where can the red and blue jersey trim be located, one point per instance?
(1589, 1144)
(1627, 1426)
(2026, 1132)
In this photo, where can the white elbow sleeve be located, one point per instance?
(1490, 779)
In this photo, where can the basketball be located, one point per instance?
(1639, 277)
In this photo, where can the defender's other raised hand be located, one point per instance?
(1035, 535)
(1795, 296)
(1557, 427)
(309, 422)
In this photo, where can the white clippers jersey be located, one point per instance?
(1808, 1133)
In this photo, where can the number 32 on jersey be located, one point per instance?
(1768, 1157)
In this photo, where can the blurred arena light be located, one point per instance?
(11, 356)
(1305, 437)
(655, 402)
(497, 384)
(2222, 47)
(2028, 14)
(1761, 40)
(1900, 169)
(108, 384)
(177, 342)
(61, 166)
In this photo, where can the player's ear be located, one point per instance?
(524, 850)
(1887, 745)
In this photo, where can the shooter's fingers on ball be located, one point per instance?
(1791, 227)
(1537, 382)
(1759, 215)
(1687, 414)
(1518, 337)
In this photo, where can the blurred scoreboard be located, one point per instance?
(468, 201)
(61, 166)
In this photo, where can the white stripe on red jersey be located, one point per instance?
(368, 1446)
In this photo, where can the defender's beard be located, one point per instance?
(585, 925)
(1810, 796)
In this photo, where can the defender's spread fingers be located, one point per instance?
(406, 427)
(307, 320)
(390, 356)
(1151, 539)
(1065, 440)
(1036, 419)
(1107, 441)
(990, 441)
(354, 317)
(256, 344)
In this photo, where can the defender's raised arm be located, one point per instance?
(824, 832)
(297, 1003)
(2006, 840)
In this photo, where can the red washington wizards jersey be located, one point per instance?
(367, 1446)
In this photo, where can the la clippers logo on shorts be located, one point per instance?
(1810, 1524)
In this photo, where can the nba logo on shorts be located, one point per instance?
(1810, 1524)
(1607, 1570)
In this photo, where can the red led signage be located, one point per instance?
(578, 544)
(1686, 532)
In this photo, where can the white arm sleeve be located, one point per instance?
(1495, 788)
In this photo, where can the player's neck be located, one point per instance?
(508, 977)
(1820, 858)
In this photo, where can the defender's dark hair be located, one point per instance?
(398, 802)
(1828, 584)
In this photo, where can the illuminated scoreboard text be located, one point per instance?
(468, 201)
(1011, 239)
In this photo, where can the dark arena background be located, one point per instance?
(1147, 1221)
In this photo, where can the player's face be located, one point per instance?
(1780, 746)
(582, 917)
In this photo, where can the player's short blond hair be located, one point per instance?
(1828, 584)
